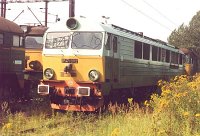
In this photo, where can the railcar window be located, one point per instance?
(1, 39)
(8, 39)
(180, 59)
(174, 57)
(146, 51)
(167, 56)
(163, 55)
(87, 40)
(107, 45)
(138, 50)
(159, 54)
(34, 42)
(191, 61)
(187, 59)
(154, 53)
(115, 44)
(177, 58)
(57, 40)
(16, 40)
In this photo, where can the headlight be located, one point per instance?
(49, 73)
(72, 23)
(93, 75)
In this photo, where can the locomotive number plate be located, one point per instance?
(69, 60)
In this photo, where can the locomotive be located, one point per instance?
(33, 41)
(12, 56)
(88, 64)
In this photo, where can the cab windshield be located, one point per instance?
(87, 40)
(55, 40)
(34, 42)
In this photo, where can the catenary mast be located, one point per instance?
(71, 6)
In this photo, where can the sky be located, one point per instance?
(155, 18)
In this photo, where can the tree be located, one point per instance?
(187, 36)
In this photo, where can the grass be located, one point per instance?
(175, 112)
(131, 123)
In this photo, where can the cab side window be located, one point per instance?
(8, 39)
(107, 45)
(16, 40)
(1, 39)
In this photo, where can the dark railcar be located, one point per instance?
(12, 56)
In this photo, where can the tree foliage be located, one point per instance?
(187, 36)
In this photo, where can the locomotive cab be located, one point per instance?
(33, 42)
(73, 65)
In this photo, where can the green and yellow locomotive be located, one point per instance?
(87, 64)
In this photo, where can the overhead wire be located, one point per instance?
(146, 15)
(159, 12)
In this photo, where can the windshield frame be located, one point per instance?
(95, 42)
(57, 40)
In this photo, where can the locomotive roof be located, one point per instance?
(36, 30)
(136, 36)
(9, 26)
(85, 25)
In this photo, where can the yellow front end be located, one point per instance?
(33, 55)
(70, 87)
(81, 65)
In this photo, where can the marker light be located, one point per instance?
(49, 73)
(93, 75)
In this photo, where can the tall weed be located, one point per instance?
(178, 107)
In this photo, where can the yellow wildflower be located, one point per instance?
(176, 78)
(165, 92)
(160, 83)
(146, 103)
(130, 100)
(115, 132)
(7, 126)
(178, 95)
(163, 103)
(186, 113)
(197, 115)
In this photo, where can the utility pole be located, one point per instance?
(3, 8)
(46, 12)
(71, 8)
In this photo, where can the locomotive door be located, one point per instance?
(115, 58)
(112, 59)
